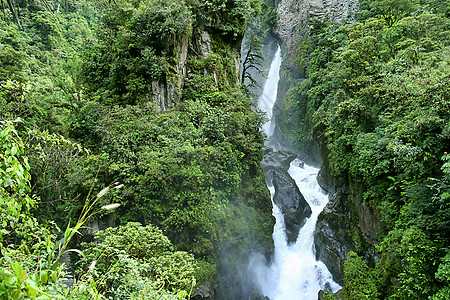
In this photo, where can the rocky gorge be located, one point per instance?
(318, 168)
(346, 223)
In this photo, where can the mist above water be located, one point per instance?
(293, 272)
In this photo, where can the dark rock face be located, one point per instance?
(331, 238)
(277, 159)
(321, 180)
(368, 217)
(287, 196)
(291, 202)
(346, 224)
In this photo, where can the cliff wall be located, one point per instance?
(197, 44)
(294, 16)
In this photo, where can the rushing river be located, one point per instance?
(293, 273)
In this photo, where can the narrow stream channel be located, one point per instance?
(293, 272)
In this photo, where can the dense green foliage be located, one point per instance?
(86, 72)
(14, 185)
(39, 63)
(29, 265)
(183, 167)
(134, 41)
(376, 98)
(190, 168)
(133, 261)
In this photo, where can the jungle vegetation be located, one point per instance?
(376, 98)
(81, 140)
(83, 144)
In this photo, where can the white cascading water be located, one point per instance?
(294, 273)
(269, 95)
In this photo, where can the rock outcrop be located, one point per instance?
(277, 159)
(202, 292)
(291, 203)
(287, 196)
(346, 224)
(332, 239)
(166, 92)
(294, 16)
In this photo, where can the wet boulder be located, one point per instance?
(277, 159)
(291, 202)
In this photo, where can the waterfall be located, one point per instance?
(269, 95)
(293, 272)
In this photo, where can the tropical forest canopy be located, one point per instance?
(83, 143)
(376, 97)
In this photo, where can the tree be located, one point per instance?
(393, 10)
(253, 59)
(360, 280)
(132, 260)
(13, 10)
